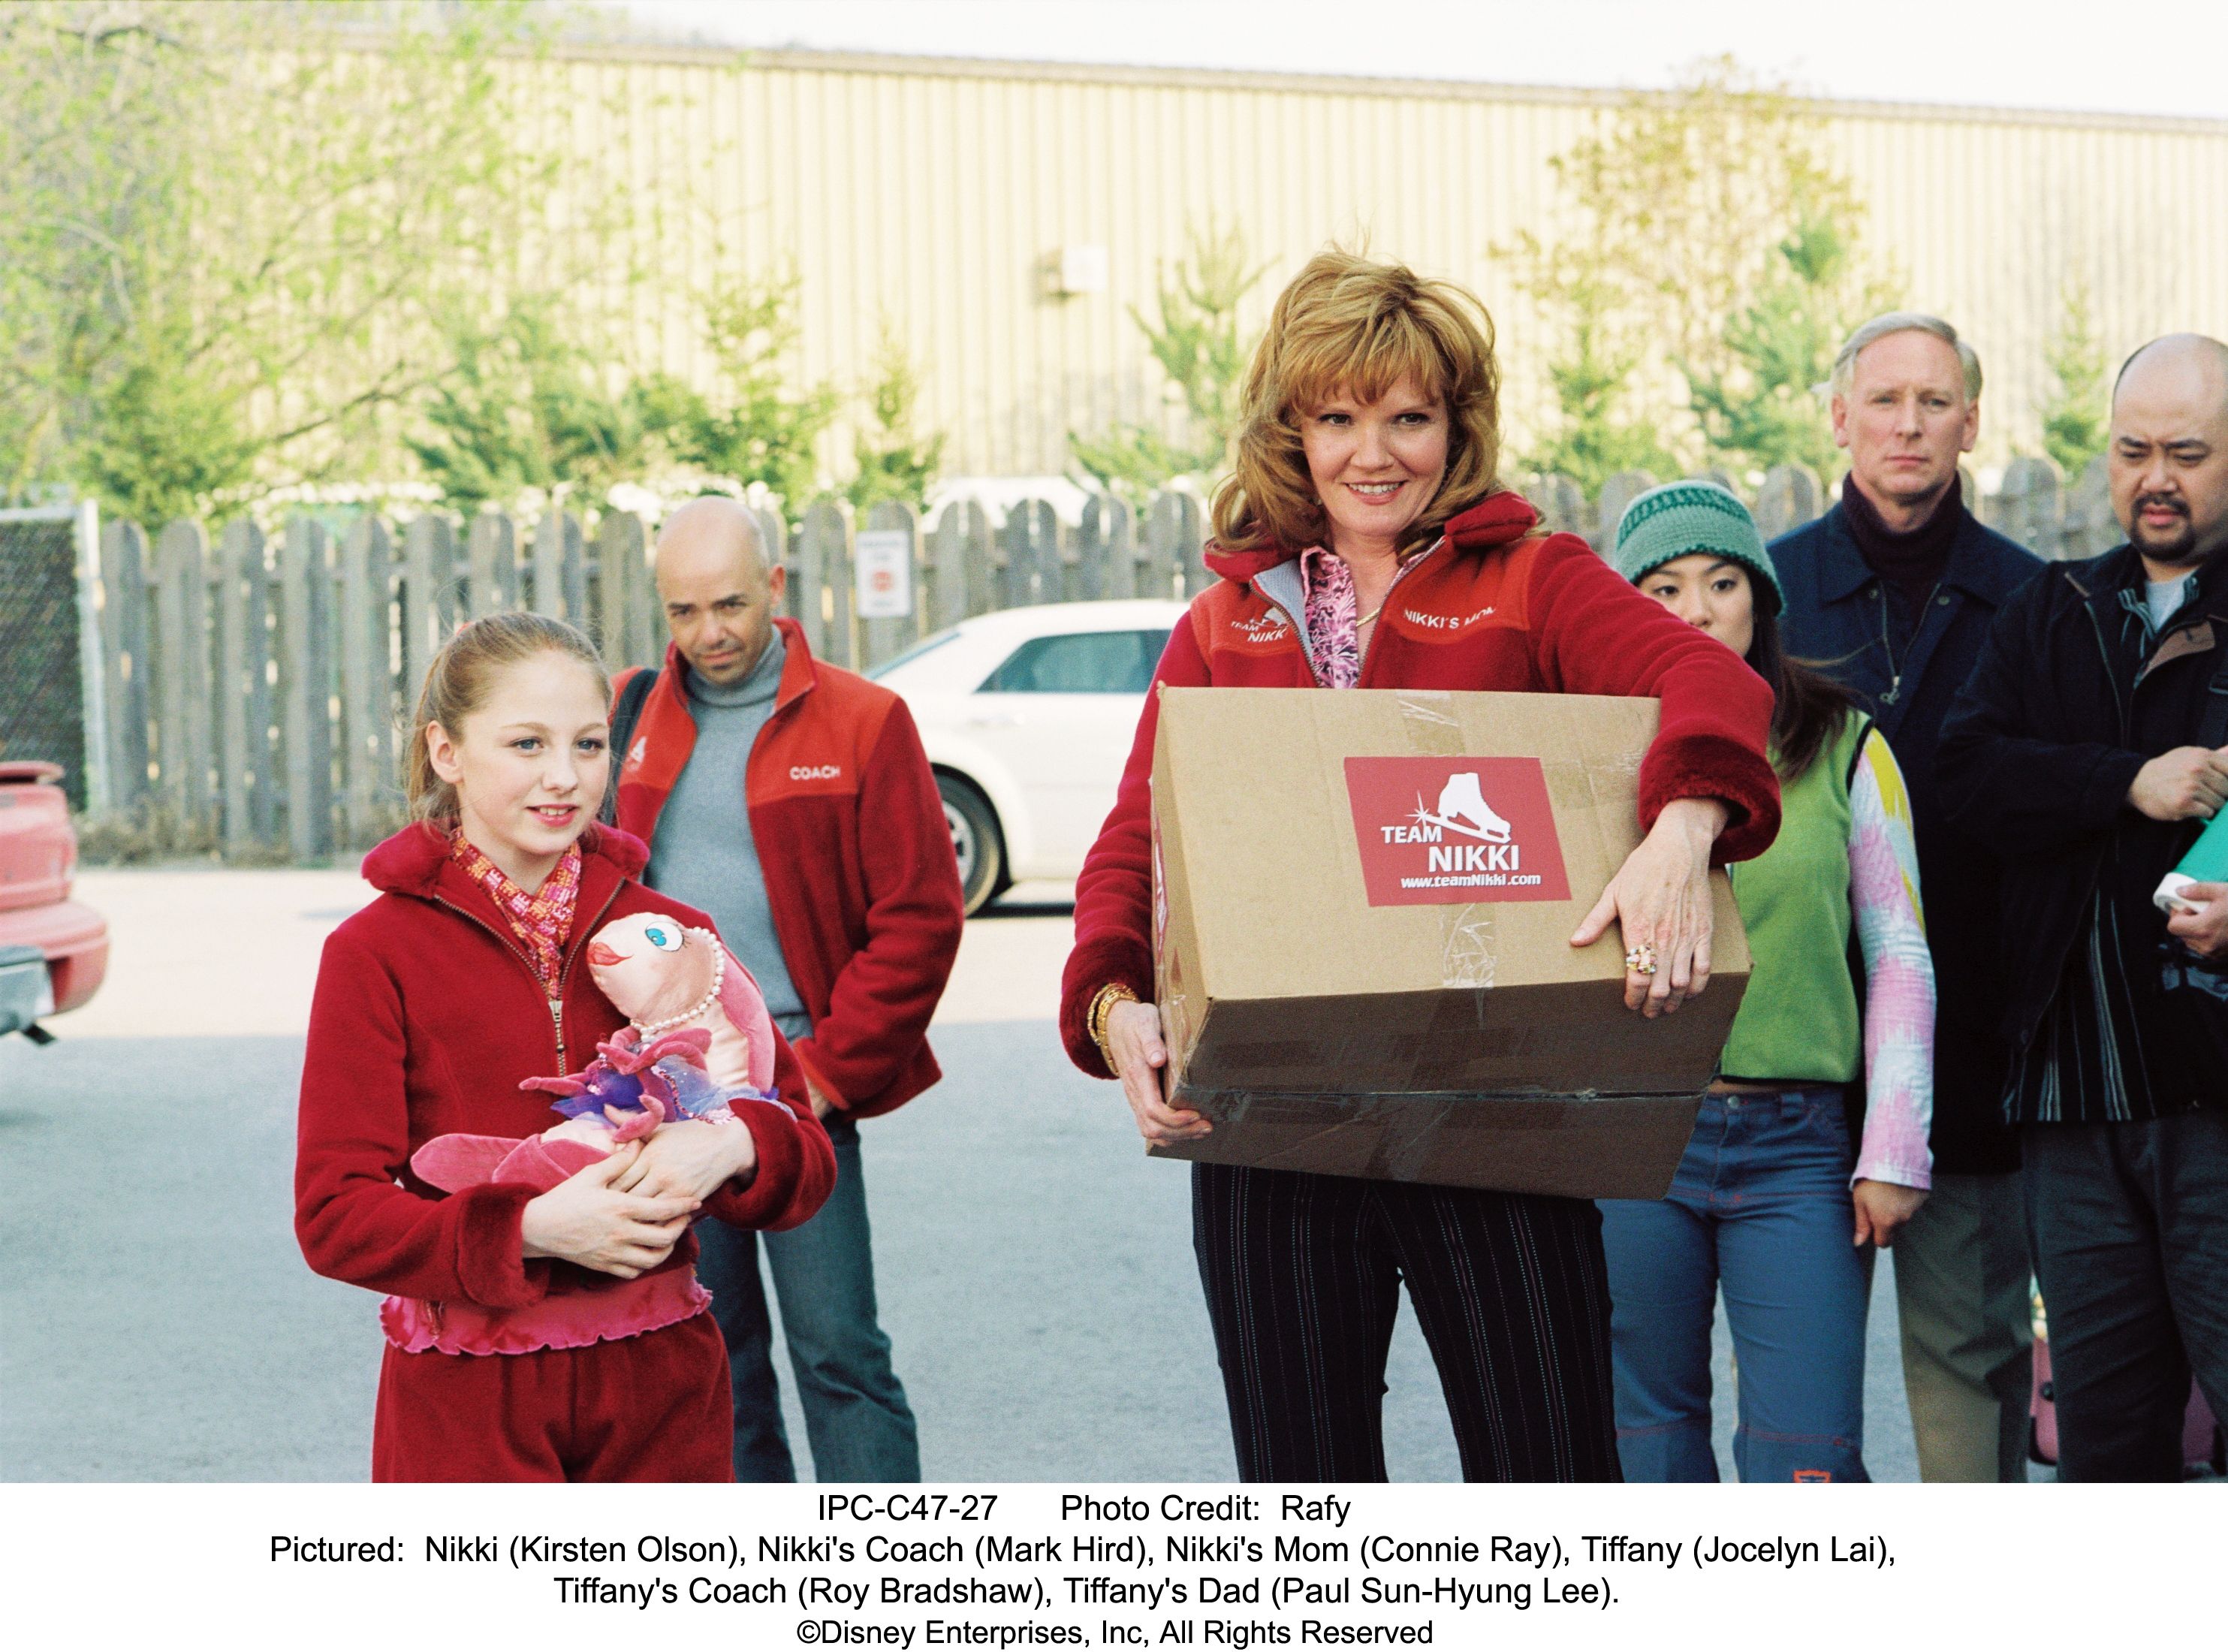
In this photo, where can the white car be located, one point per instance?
(1028, 716)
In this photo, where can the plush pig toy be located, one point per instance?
(699, 1039)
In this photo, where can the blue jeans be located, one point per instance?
(1760, 1202)
(855, 1414)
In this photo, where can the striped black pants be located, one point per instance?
(1303, 1277)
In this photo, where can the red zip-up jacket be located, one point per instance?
(1490, 608)
(427, 1017)
(860, 880)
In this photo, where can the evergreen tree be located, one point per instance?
(525, 410)
(1196, 339)
(2075, 425)
(1590, 377)
(753, 427)
(1708, 251)
(1762, 408)
(895, 460)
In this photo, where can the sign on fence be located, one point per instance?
(881, 559)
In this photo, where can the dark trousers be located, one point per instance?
(856, 1415)
(1303, 1277)
(2129, 1224)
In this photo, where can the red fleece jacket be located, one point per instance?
(427, 1015)
(1490, 608)
(860, 880)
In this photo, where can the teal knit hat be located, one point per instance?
(1682, 518)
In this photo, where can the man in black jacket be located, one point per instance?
(2088, 744)
(1893, 591)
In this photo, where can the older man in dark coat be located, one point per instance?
(1893, 591)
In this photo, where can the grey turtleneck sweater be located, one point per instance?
(701, 851)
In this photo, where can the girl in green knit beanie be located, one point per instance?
(1770, 1199)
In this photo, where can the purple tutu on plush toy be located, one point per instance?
(634, 1087)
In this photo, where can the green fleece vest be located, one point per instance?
(1799, 1018)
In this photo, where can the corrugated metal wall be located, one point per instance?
(934, 193)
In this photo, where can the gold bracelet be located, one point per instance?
(1102, 1007)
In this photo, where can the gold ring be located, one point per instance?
(1641, 960)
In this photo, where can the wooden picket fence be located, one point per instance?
(256, 688)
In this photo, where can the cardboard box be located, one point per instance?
(1363, 910)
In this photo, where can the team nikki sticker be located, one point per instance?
(1449, 829)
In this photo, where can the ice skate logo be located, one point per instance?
(1454, 829)
(1462, 808)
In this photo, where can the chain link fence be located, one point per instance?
(43, 710)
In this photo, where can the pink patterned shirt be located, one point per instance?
(1333, 618)
(1333, 612)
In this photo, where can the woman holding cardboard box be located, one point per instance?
(1364, 541)
(1770, 1199)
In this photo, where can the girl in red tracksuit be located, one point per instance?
(532, 1333)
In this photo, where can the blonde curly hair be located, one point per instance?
(1347, 326)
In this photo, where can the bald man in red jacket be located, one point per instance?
(792, 801)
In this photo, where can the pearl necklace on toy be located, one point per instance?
(648, 1030)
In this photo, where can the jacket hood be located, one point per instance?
(410, 862)
(1499, 519)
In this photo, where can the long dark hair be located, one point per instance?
(1807, 707)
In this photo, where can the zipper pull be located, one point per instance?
(557, 1020)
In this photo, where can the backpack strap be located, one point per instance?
(626, 711)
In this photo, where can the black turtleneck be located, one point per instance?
(1911, 565)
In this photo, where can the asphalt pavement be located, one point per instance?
(156, 1322)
